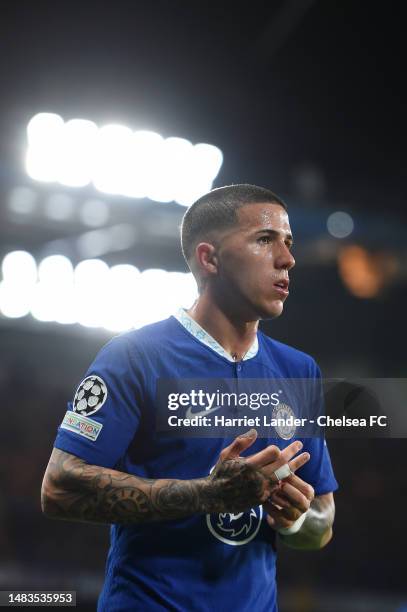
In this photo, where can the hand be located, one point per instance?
(239, 483)
(289, 502)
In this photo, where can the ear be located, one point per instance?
(206, 258)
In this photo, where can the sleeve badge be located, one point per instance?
(90, 396)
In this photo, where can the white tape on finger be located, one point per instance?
(283, 472)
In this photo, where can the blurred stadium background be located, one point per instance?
(116, 117)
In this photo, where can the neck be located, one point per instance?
(234, 335)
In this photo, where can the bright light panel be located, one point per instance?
(91, 294)
(14, 300)
(118, 160)
(19, 272)
(77, 155)
(19, 269)
(44, 135)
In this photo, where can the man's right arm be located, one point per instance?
(75, 490)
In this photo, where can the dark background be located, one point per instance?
(306, 98)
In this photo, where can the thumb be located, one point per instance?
(239, 445)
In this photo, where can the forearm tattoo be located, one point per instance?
(237, 486)
(75, 490)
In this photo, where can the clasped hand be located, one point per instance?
(283, 500)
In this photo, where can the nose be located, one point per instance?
(284, 259)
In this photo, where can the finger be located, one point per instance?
(285, 456)
(294, 497)
(272, 454)
(239, 445)
(293, 500)
(284, 517)
(294, 464)
(292, 514)
(264, 457)
(305, 488)
(279, 500)
(289, 451)
(299, 461)
(271, 521)
(276, 516)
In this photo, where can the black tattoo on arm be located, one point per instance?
(75, 490)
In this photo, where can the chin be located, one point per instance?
(272, 311)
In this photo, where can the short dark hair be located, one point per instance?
(217, 210)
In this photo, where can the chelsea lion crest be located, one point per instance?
(284, 415)
(235, 529)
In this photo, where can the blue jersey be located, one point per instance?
(204, 562)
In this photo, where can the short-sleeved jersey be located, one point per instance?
(204, 562)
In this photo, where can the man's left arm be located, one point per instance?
(294, 503)
(302, 519)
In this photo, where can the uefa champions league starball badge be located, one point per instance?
(284, 414)
(90, 396)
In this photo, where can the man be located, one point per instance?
(185, 536)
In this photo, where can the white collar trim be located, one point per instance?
(200, 334)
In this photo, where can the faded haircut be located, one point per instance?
(217, 210)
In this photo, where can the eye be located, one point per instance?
(264, 239)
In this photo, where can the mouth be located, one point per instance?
(281, 287)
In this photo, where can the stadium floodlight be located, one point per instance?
(42, 304)
(186, 288)
(19, 268)
(153, 297)
(118, 160)
(192, 189)
(172, 165)
(44, 127)
(19, 272)
(90, 285)
(113, 163)
(14, 300)
(55, 270)
(146, 150)
(91, 294)
(44, 134)
(198, 173)
(77, 153)
(209, 158)
(122, 297)
(53, 298)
